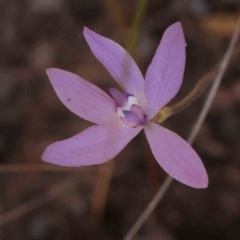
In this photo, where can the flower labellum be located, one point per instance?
(120, 118)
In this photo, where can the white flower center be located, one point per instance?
(131, 100)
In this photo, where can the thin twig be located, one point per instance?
(24, 168)
(198, 89)
(150, 207)
(48, 196)
(197, 126)
(101, 190)
(215, 86)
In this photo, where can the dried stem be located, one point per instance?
(23, 168)
(201, 85)
(101, 190)
(197, 90)
(215, 86)
(117, 14)
(48, 196)
(162, 190)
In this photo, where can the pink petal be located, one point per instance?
(95, 145)
(81, 97)
(165, 74)
(119, 97)
(176, 156)
(131, 119)
(117, 61)
(138, 110)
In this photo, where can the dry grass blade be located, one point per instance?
(117, 14)
(162, 190)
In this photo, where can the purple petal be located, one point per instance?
(132, 119)
(81, 97)
(138, 110)
(117, 61)
(176, 156)
(165, 74)
(119, 97)
(95, 145)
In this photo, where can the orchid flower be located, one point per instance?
(120, 118)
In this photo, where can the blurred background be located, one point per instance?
(41, 202)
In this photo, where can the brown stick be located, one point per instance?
(24, 168)
(162, 190)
